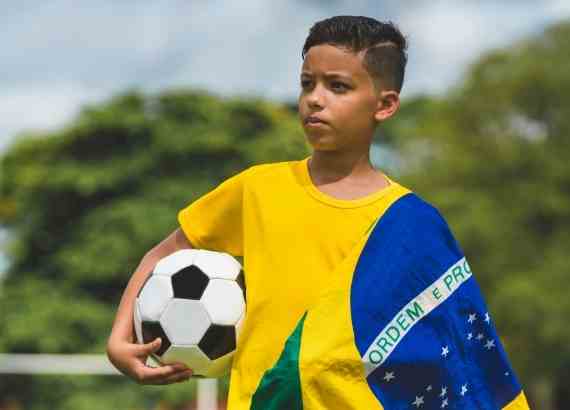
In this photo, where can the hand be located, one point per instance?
(130, 359)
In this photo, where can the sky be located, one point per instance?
(59, 55)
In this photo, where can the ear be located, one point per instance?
(388, 104)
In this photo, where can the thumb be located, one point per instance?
(151, 347)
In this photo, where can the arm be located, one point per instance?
(122, 350)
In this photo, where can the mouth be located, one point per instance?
(313, 121)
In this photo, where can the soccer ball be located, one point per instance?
(194, 300)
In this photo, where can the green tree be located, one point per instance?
(83, 205)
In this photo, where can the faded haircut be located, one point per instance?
(384, 46)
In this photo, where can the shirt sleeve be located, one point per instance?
(215, 220)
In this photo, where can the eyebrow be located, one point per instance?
(329, 75)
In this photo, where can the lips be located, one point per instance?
(314, 120)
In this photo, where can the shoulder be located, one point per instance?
(268, 173)
(417, 210)
(414, 231)
(269, 166)
(415, 220)
(268, 169)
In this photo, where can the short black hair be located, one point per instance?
(385, 46)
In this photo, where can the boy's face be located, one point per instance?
(336, 88)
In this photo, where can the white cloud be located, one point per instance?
(43, 107)
(557, 8)
(446, 36)
(61, 54)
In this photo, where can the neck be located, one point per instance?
(331, 166)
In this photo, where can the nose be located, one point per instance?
(315, 98)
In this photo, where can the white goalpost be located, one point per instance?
(90, 364)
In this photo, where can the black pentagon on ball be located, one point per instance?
(189, 283)
(152, 330)
(218, 341)
(241, 282)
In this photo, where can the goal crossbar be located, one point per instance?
(21, 363)
(89, 364)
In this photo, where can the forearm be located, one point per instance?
(123, 324)
(128, 356)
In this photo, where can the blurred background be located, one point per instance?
(115, 115)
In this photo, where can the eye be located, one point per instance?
(305, 83)
(337, 85)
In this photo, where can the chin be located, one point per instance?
(320, 142)
(320, 146)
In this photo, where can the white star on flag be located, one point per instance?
(507, 373)
(419, 401)
(464, 389)
(445, 351)
(470, 336)
(389, 376)
(487, 317)
(490, 344)
(480, 336)
(444, 403)
(429, 388)
(472, 318)
(443, 391)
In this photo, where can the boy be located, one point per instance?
(301, 227)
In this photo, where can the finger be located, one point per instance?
(152, 375)
(171, 378)
(176, 378)
(148, 348)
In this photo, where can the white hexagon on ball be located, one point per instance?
(224, 301)
(217, 264)
(138, 322)
(154, 296)
(175, 262)
(192, 356)
(185, 321)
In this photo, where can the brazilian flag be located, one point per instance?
(402, 326)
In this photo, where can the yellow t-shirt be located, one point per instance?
(291, 237)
